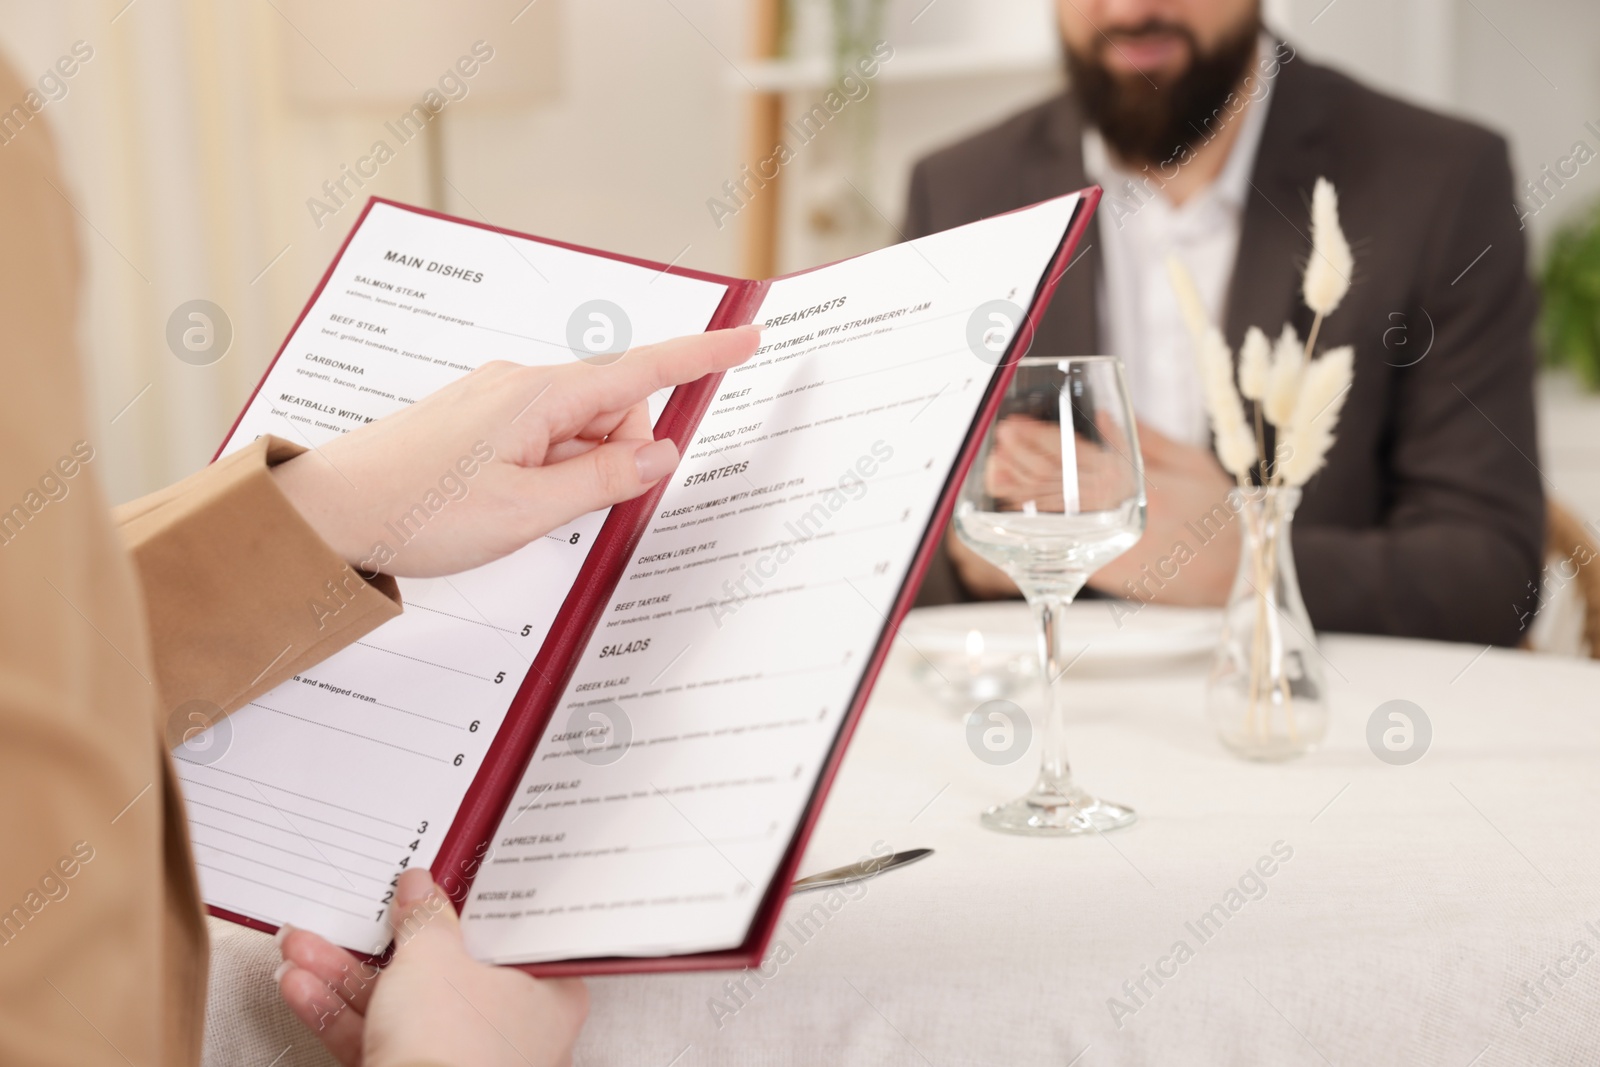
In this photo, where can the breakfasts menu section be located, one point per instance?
(307, 803)
(681, 758)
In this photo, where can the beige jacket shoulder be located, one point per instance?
(111, 642)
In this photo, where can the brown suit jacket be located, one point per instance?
(1428, 520)
(109, 627)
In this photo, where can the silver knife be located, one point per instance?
(855, 872)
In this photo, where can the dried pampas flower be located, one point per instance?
(1327, 277)
(1324, 386)
(1283, 380)
(1323, 389)
(1236, 445)
(1255, 362)
(1237, 451)
(1189, 302)
(1305, 450)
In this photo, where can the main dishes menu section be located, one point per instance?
(306, 804)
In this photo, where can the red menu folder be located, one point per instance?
(469, 840)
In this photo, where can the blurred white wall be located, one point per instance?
(191, 162)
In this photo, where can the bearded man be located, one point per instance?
(1208, 134)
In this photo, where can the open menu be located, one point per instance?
(610, 746)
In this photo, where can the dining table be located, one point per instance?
(1351, 906)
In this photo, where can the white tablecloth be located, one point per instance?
(1417, 901)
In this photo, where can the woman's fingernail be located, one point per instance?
(414, 888)
(283, 931)
(656, 460)
(283, 969)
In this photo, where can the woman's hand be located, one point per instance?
(433, 1003)
(498, 458)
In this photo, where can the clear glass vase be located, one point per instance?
(1266, 696)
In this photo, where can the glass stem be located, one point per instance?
(1055, 776)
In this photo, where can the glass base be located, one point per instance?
(1051, 812)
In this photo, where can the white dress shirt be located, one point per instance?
(1139, 316)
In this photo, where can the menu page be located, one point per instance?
(685, 750)
(305, 804)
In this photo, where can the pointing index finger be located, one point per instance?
(589, 391)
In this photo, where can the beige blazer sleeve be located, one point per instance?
(206, 591)
(240, 593)
(102, 948)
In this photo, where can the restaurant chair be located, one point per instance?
(1568, 619)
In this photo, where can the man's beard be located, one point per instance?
(1144, 123)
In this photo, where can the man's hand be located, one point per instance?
(498, 458)
(433, 1003)
(1024, 464)
(1191, 539)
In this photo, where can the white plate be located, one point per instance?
(1096, 629)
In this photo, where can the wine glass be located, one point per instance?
(1057, 492)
